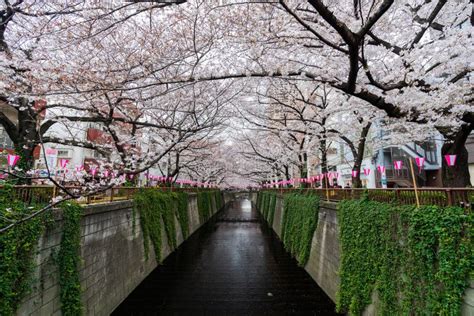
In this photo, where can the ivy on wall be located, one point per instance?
(266, 203)
(219, 200)
(68, 260)
(417, 259)
(182, 213)
(271, 209)
(259, 200)
(204, 201)
(300, 219)
(158, 211)
(17, 250)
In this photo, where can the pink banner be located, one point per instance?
(420, 161)
(381, 169)
(450, 159)
(63, 163)
(51, 151)
(354, 173)
(397, 164)
(13, 160)
(366, 171)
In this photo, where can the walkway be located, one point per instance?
(232, 266)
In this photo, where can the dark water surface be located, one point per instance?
(233, 265)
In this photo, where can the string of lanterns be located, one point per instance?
(397, 164)
(12, 161)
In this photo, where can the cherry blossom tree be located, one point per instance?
(406, 58)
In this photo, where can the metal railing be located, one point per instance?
(427, 196)
(463, 197)
(44, 194)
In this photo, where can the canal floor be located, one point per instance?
(233, 265)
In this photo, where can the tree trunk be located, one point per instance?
(324, 163)
(457, 175)
(26, 160)
(303, 170)
(287, 172)
(356, 182)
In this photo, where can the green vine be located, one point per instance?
(17, 250)
(271, 209)
(266, 203)
(417, 259)
(204, 200)
(265, 200)
(69, 258)
(300, 219)
(219, 200)
(148, 203)
(182, 214)
(158, 211)
(259, 199)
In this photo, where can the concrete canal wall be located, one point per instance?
(324, 261)
(113, 259)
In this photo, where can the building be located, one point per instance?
(470, 151)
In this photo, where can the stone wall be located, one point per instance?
(113, 260)
(323, 263)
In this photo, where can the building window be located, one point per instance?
(63, 153)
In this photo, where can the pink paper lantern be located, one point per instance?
(354, 173)
(420, 161)
(381, 169)
(63, 163)
(106, 173)
(397, 164)
(12, 160)
(366, 171)
(93, 171)
(450, 160)
(51, 151)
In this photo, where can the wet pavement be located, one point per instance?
(233, 265)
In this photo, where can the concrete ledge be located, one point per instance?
(324, 260)
(113, 259)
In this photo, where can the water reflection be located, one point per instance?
(246, 206)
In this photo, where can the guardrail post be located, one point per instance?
(449, 197)
(397, 195)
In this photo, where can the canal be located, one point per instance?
(233, 265)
